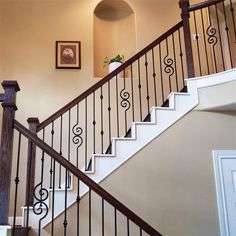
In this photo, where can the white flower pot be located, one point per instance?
(112, 66)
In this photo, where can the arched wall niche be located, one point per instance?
(114, 32)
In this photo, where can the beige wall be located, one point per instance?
(28, 31)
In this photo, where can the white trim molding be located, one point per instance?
(218, 156)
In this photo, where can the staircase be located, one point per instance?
(85, 141)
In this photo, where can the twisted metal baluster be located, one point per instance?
(125, 103)
(77, 138)
(169, 69)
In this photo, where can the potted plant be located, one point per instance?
(114, 62)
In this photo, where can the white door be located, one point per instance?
(225, 174)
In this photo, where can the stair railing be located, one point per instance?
(86, 125)
(105, 214)
(201, 44)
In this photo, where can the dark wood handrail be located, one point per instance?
(202, 5)
(1, 97)
(86, 180)
(108, 77)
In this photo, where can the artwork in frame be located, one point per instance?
(68, 55)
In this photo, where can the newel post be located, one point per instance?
(29, 199)
(6, 148)
(184, 5)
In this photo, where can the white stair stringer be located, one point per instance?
(142, 133)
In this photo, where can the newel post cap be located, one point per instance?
(11, 84)
(31, 120)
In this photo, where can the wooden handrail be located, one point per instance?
(85, 179)
(108, 77)
(201, 5)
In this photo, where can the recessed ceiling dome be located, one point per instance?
(113, 10)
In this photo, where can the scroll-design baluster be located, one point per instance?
(77, 138)
(169, 69)
(212, 40)
(40, 207)
(125, 103)
(125, 96)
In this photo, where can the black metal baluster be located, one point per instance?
(17, 180)
(132, 90)
(94, 124)
(60, 152)
(65, 223)
(115, 213)
(77, 131)
(90, 213)
(53, 196)
(52, 140)
(212, 39)
(68, 183)
(205, 45)
(154, 76)
(86, 134)
(109, 111)
(219, 30)
(197, 39)
(128, 227)
(181, 57)
(78, 206)
(125, 101)
(117, 109)
(147, 84)
(141, 232)
(102, 217)
(140, 92)
(28, 187)
(162, 86)
(102, 131)
(233, 19)
(227, 34)
(168, 65)
(43, 195)
(176, 74)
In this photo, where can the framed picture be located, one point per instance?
(68, 55)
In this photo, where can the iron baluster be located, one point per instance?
(109, 111)
(147, 84)
(162, 85)
(212, 39)
(227, 34)
(197, 40)
(77, 138)
(168, 65)
(221, 47)
(52, 141)
(60, 152)
(176, 74)
(181, 56)
(140, 91)
(94, 124)
(17, 180)
(102, 131)
(205, 45)
(154, 76)
(117, 109)
(78, 206)
(102, 217)
(132, 89)
(125, 103)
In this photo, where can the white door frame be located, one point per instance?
(218, 155)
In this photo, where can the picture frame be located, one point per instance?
(68, 55)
